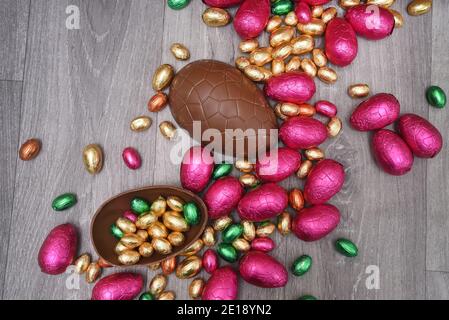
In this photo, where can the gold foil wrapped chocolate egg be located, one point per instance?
(93, 158)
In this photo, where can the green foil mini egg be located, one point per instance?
(232, 233)
(227, 252)
(178, 4)
(64, 202)
(116, 232)
(140, 206)
(347, 248)
(436, 97)
(192, 214)
(302, 265)
(222, 170)
(282, 7)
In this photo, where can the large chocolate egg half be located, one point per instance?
(218, 96)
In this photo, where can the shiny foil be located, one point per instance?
(223, 196)
(316, 222)
(278, 165)
(262, 270)
(251, 18)
(210, 261)
(132, 158)
(119, 286)
(222, 285)
(302, 133)
(263, 244)
(295, 87)
(369, 23)
(222, 3)
(341, 42)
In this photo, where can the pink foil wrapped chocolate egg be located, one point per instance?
(263, 244)
(422, 137)
(295, 87)
(118, 286)
(223, 196)
(262, 270)
(222, 285)
(376, 113)
(252, 18)
(303, 12)
(392, 153)
(196, 169)
(326, 108)
(131, 216)
(316, 222)
(302, 133)
(132, 158)
(370, 21)
(263, 203)
(210, 261)
(222, 3)
(324, 181)
(58, 250)
(278, 165)
(341, 42)
(314, 2)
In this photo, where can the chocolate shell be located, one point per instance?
(220, 97)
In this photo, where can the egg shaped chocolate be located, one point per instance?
(315, 2)
(278, 165)
(263, 203)
(316, 222)
(371, 21)
(251, 18)
(341, 42)
(58, 250)
(222, 285)
(196, 169)
(295, 87)
(302, 133)
(223, 196)
(222, 3)
(215, 95)
(262, 270)
(392, 153)
(118, 286)
(422, 137)
(324, 181)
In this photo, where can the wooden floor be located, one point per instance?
(71, 88)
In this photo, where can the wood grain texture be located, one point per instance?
(437, 173)
(13, 35)
(84, 86)
(10, 98)
(437, 285)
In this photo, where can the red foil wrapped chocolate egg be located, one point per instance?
(262, 270)
(341, 42)
(222, 285)
(196, 169)
(210, 261)
(58, 250)
(316, 222)
(375, 113)
(118, 286)
(252, 18)
(422, 137)
(370, 21)
(263, 203)
(263, 244)
(278, 165)
(295, 87)
(302, 133)
(324, 181)
(392, 153)
(303, 12)
(223, 196)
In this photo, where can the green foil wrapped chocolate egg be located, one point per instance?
(222, 170)
(140, 206)
(302, 265)
(146, 296)
(307, 297)
(436, 97)
(116, 232)
(178, 4)
(64, 202)
(282, 7)
(227, 252)
(232, 233)
(192, 214)
(347, 248)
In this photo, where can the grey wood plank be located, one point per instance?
(10, 98)
(437, 175)
(83, 87)
(437, 285)
(13, 35)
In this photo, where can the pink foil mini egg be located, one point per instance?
(326, 108)
(131, 216)
(222, 3)
(303, 12)
(263, 244)
(132, 158)
(210, 261)
(222, 285)
(196, 169)
(302, 133)
(295, 87)
(262, 270)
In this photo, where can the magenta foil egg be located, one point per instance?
(302, 133)
(341, 42)
(316, 222)
(314, 2)
(295, 87)
(132, 158)
(131, 216)
(263, 244)
(278, 165)
(252, 18)
(376, 113)
(303, 12)
(422, 137)
(222, 285)
(223, 196)
(324, 181)
(262, 270)
(392, 153)
(326, 108)
(118, 286)
(58, 250)
(263, 203)
(222, 3)
(196, 169)
(370, 21)
(210, 261)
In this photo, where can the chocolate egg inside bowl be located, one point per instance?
(104, 242)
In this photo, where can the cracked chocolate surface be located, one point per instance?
(341, 42)
(302, 133)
